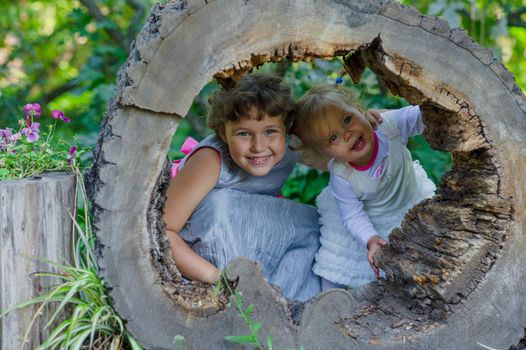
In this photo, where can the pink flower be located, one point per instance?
(33, 108)
(58, 114)
(5, 137)
(31, 132)
(8, 135)
(71, 157)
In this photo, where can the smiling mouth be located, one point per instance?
(258, 160)
(359, 144)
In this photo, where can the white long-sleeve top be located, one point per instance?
(354, 218)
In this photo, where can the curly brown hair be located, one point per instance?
(262, 93)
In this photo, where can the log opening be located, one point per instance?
(454, 253)
(445, 244)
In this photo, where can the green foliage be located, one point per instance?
(62, 53)
(91, 321)
(30, 151)
(436, 163)
(304, 184)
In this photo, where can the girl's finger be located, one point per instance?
(370, 258)
(376, 270)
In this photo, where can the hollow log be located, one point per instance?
(35, 225)
(454, 274)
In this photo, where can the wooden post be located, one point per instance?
(34, 223)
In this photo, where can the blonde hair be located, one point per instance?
(311, 112)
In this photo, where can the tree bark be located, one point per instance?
(454, 268)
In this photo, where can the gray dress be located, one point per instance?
(242, 216)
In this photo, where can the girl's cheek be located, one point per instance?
(281, 137)
(333, 152)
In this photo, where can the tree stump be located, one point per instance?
(34, 224)
(455, 272)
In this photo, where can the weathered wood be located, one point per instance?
(454, 268)
(34, 223)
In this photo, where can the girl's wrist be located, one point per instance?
(372, 239)
(213, 275)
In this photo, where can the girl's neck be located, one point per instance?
(373, 156)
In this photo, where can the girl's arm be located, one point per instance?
(191, 184)
(409, 122)
(354, 217)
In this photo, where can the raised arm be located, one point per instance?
(191, 184)
(409, 122)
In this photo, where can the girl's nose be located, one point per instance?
(346, 135)
(258, 143)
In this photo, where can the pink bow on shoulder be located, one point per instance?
(187, 147)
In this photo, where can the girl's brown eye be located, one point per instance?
(333, 138)
(347, 120)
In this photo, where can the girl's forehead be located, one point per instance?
(330, 116)
(322, 125)
(340, 108)
(257, 121)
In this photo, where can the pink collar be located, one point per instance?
(373, 158)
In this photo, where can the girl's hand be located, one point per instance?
(374, 244)
(374, 117)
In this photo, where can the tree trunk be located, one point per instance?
(35, 225)
(454, 269)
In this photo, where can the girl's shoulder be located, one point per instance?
(339, 169)
(210, 142)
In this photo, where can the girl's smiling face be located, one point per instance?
(256, 145)
(346, 135)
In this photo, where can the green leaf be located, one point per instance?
(248, 310)
(133, 343)
(79, 339)
(242, 339)
(269, 342)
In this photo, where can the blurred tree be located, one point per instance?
(65, 54)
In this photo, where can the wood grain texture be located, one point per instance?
(454, 268)
(34, 223)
